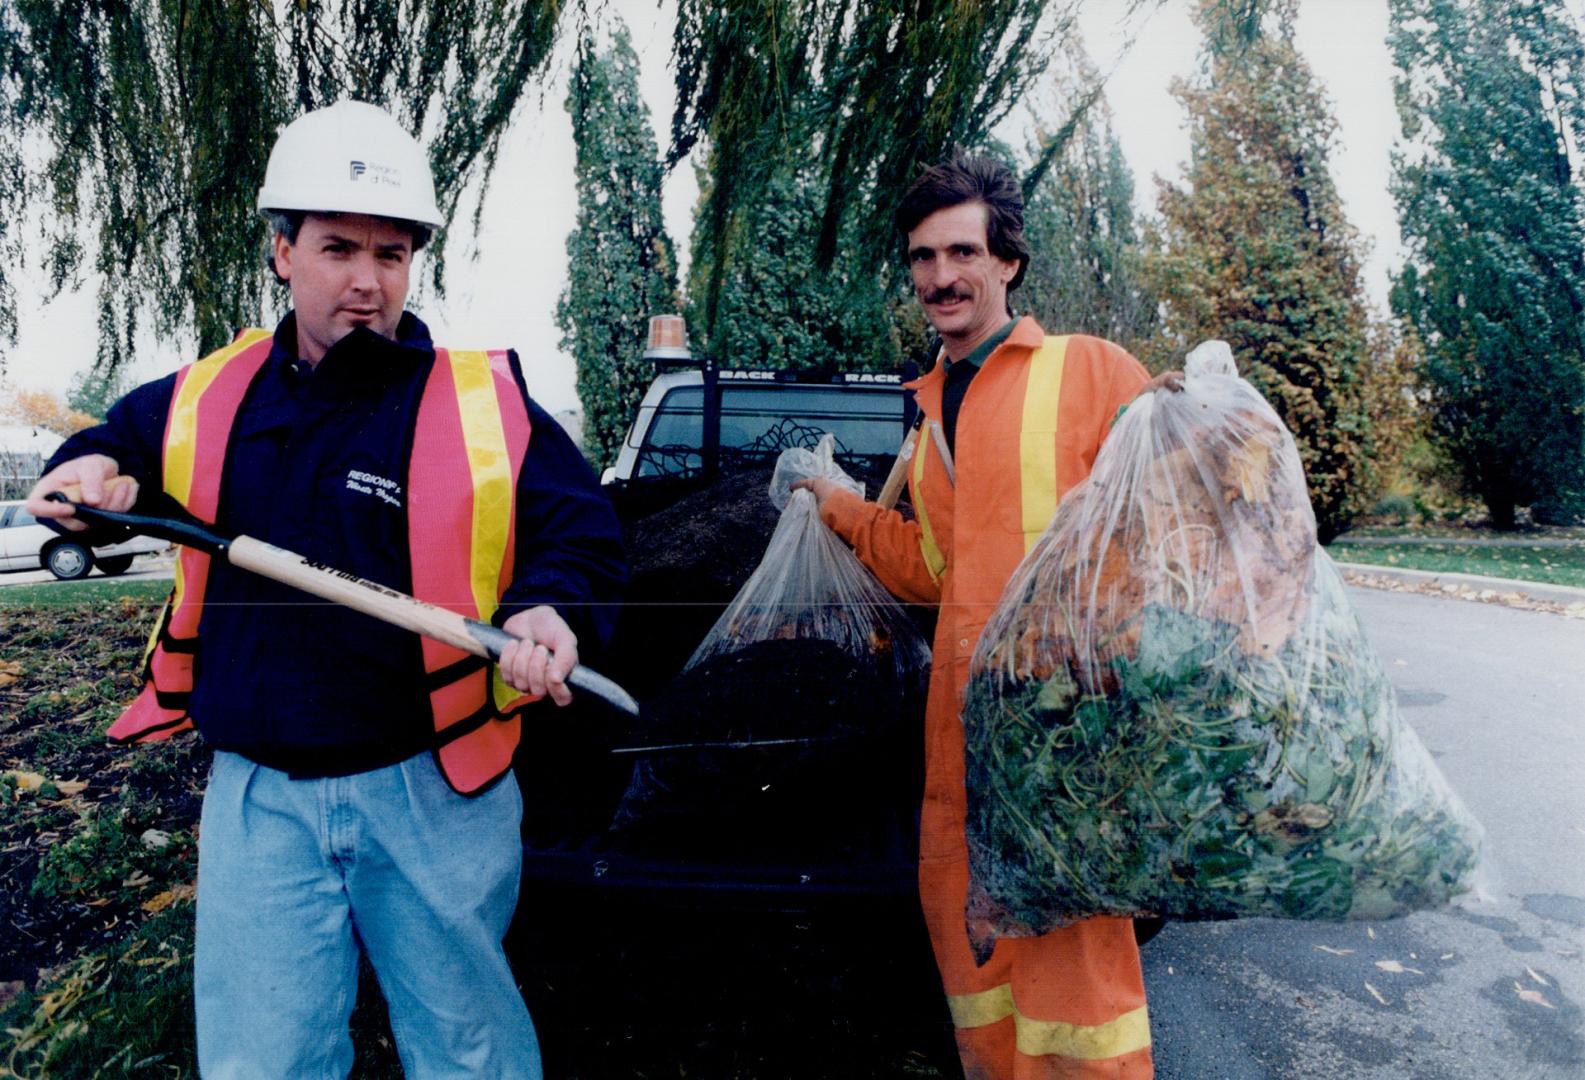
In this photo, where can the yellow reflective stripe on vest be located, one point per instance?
(1042, 1038)
(491, 472)
(181, 442)
(935, 562)
(1037, 449)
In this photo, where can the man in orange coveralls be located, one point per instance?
(1012, 420)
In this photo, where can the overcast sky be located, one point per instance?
(506, 296)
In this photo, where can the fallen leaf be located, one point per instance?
(1536, 977)
(1306, 1002)
(101, 902)
(1370, 933)
(1375, 993)
(9, 991)
(25, 781)
(155, 838)
(1533, 997)
(1446, 956)
(137, 880)
(1334, 952)
(167, 898)
(1395, 968)
(71, 787)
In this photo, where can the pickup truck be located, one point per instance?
(699, 426)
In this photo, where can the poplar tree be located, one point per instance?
(1255, 250)
(1085, 274)
(1489, 95)
(619, 260)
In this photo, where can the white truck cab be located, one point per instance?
(757, 414)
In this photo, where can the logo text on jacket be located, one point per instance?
(369, 484)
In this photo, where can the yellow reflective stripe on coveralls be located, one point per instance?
(1037, 449)
(984, 1007)
(935, 562)
(1041, 1038)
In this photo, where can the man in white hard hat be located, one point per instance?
(362, 792)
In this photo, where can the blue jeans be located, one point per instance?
(293, 875)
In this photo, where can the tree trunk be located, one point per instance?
(1501, 508)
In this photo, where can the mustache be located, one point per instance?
(941, 296)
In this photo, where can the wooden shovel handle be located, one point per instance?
(899, 474)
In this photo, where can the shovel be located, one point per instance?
(369, 597)
(386, 604)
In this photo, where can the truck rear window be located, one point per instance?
(758, 422)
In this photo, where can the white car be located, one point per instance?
(27, 545)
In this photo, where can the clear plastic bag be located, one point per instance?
(810, 585)
(1174, 709)
(812, 658)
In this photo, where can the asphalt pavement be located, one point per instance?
(148, 567)
(1490, 990)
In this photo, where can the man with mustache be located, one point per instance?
(361, 797)
(1012, 419)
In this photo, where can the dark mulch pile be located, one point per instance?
(686, 563)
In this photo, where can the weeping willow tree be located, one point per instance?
(134, 134)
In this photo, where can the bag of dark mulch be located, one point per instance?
(811, 667)
(1175, 711)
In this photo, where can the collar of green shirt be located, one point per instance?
(988, 346)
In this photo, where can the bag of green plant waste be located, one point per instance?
(812, 652)
(1174, 710)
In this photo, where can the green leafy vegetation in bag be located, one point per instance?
(1175, 711)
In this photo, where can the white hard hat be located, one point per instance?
(350, 158)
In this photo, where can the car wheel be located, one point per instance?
(114, 564)
(68, 560)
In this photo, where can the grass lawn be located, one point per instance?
(97, 590)
(1520, 562)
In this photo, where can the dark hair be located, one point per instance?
(289, 223)
(966, 178)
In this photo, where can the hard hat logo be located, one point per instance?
(386, 175)
(376, 174)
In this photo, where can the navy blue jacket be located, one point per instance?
(303, 685)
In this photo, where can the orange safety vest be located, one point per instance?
(469, 440)
(1069, 1003)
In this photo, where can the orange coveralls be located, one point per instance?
(1070, 1003)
